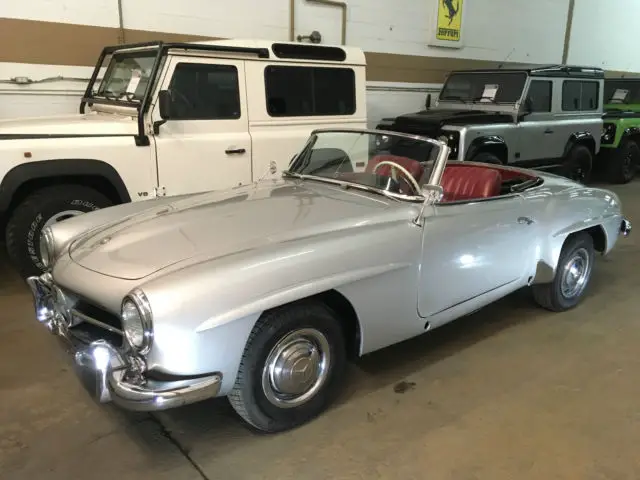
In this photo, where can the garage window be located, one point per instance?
(205, 92)
(309, 91)
(579, 95)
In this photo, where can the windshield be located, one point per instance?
(621, 91)
(127, 76)
(491, 87)
(356, 158)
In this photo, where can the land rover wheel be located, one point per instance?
(486, 157)
(578, 164)
(292, 367)
(572, 276)
(41, 208)
(623, 163)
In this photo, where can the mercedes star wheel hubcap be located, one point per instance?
(575, 274)
(296, 368)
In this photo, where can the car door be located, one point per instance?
(472, 249)
(539, 137)
(205, 144)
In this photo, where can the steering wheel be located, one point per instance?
(394, 165)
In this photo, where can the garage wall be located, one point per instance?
(604, 34)
(62, 38)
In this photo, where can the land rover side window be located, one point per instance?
(539, 96)
(309, 91)
(579, 95)
(205, 92)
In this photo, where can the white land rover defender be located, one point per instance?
(172, 119)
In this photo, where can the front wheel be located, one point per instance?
(573, 273)
(291, 369)
(487, 157)
(623, 163)
(41, 208)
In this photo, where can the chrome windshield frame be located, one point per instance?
(434, 177)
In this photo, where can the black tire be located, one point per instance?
(30, 216)
(487, 157)
(551, 295)
(248, 397)
(578, 164)
(623, 162)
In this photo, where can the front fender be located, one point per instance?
(204, 313)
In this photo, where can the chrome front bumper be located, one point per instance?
(111, 375)
(625, 227)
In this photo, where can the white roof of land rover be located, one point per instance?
(354, 55)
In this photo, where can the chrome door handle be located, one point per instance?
(525, 220)
(231, 151)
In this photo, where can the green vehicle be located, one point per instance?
(620, 142)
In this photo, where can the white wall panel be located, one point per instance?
(101, 13)
(605, 34)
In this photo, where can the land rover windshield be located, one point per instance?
(621, 92)
(484, 87)
(126, 77)
(385, 163)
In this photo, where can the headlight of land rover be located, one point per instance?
(137, 321)
(608, 132)
(46, 246)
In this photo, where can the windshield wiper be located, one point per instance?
(287, 173)
(491, 99)
(111, 95)
(455, 98)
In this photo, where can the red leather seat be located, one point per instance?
(412, 166)
(468, 183)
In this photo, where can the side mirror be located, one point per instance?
(427, 102)
(164, 102)
(273, 167)
(432, 194)
(527, 106)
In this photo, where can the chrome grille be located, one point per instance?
(88, 321)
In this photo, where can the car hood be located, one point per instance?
(67, 125)
(618, 110)
(431, 121)
(217, 224)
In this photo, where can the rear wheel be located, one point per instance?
(622, 164)
(42, 208)
(578, 164)
(572, 275)
(292, 367)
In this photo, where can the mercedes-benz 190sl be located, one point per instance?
(264, 292)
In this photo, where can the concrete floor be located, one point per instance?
(512, 392)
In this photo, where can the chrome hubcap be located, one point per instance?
(575, 274)
(58, 217)
(296, 368)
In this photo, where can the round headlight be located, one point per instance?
(46, 247)
(137, 321)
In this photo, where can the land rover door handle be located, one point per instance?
(548, 130)
(525, 220)
(232, 151)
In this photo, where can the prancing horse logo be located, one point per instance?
(453, 11)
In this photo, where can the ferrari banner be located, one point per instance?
(449, 20)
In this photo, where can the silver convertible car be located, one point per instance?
(262, 293)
